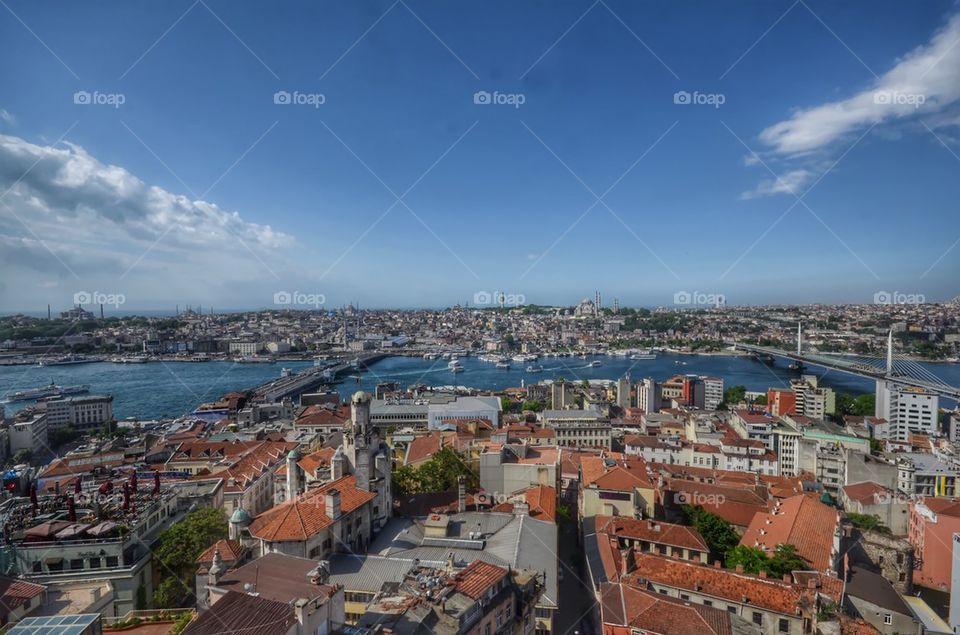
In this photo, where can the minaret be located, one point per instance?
(293, 475)
(890, 352)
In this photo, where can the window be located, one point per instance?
(707, 603)
(112, 561)
(783, 626)
(76, 563)
(732, 610)
(684, 596)
(94, 563)
(757, 618)
(486, 629)
(887, 618)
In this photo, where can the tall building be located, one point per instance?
(781, 402)
(368, 458)
(647, 398)
(907, 410)
(562, 396)
(623, 391)
(813, 400)
(712, 392)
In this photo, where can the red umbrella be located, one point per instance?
(76, 486)
(133, 481)
(106, 487)
(72, 510)
(33, 498)
(156, 483)
(126, 497)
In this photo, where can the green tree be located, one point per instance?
(752, 560)
(784, 561)
(761, 400)
(734, 394)
(23, 455)
(441, 473)
(867, 522)
(719, 535)
(533, 404)
(179, 547)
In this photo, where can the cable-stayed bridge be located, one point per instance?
(894, 369)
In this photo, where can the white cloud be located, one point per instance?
(788, 183)
(6, 117)
(924, 83)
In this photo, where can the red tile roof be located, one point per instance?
(802, 521)
(869, 493)
(319, 460)
(321, 415)
(14, 593)
(230, 551)
(478, 578)
(652, 531)
(638, 608)
(243, 613)
(773, 595)
(303, 517)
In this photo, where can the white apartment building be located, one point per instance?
(647, 395)
(81, 413)
(579, 428)
(907, 410)
(712, 392)
(30, 434)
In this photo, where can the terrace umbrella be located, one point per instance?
(56, 488)
(126, 497)
(72, 510)
(156, 483)
(33, 498)
(76, 486)
(106, 487)
(133, 481)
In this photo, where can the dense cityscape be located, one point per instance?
(487, 317)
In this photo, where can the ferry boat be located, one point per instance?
(536, 368)
(594, 363)
(52, 390)
(200, 357)
(67, 360)
(254, 359)
(130, 359)
(455, 366)
(503, 365)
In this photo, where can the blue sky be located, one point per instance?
(199, 188)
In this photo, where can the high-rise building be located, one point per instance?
(562, 395)
(813, 400)
(712, 392)
(907, 409)
(623, 391)
(647, 398)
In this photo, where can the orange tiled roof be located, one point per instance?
(652, 531)
(638, 608)
(303, 517)
(869, 493)
(319, 415)
(802, 521)
(317, 460)
(771, 594)
(230, 551)
(476, 579)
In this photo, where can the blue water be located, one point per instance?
(170, 389)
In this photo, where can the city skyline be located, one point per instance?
(405, 155)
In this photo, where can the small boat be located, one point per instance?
(200, 357)
(455, 366)
(254, 359)
(286, 372)
(594, 363)
(795, 366)
(130, 359)
(537, 368)
(503, 365)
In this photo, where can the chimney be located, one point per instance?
(739, 568)
(461, 495)
(300, 610)
(521, 508)
(626, 559)
(812, 583)
(786, 578)
(763, 573)
(717, 564)
(332, 501)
